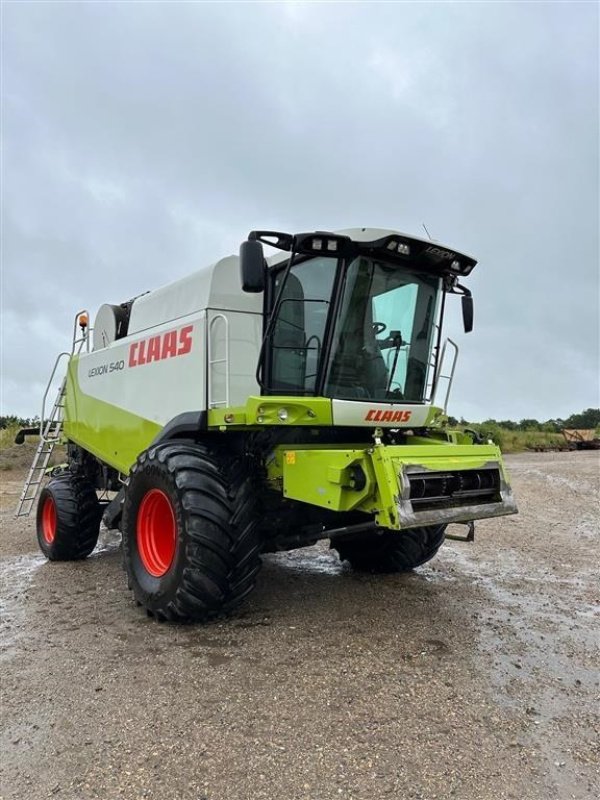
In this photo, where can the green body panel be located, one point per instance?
(370, 478)
(304, 411)
(113, 435)
(327, 478)
(261, 411)
(323, 477)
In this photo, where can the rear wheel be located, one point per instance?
(190, 541)
(392, 551)
(68, 518)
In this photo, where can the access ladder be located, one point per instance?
(51, 427)
(49, 436)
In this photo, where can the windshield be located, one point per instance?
(383, 335)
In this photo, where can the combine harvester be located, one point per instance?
(306, 403)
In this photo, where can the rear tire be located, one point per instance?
(392, 551)
(190, 542)
(68, 518)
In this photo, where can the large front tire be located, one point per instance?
(68, 518)
(392, 551)
(190, 542)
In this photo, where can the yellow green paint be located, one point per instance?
(261, 411)
(324, 476)
(113, 435)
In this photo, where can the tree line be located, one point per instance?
(590, 418)
(13, 421)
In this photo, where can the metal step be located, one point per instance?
(50, 435)
(51, 427)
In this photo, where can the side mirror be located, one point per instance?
(252, 266)
(467, 312)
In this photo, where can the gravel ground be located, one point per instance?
(475, 677)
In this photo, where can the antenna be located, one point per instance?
(426, 231)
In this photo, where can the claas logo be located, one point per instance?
(156, 348)
(378, 415)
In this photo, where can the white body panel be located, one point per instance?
(162, 387)
(384, 415)
(157, 390)
(234, 344)
(217, 286)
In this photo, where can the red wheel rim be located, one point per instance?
(49, 520)
(156, 532)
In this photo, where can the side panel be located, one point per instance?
(154, 375)
(234, 340)
(112, 434)
(216, 286)
(120, 397)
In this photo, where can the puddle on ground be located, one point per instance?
(431, 574)
(307, 561)
(16, 576)
(109, 541)
(531, 633)
(539, 643)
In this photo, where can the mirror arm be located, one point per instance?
(458, 288)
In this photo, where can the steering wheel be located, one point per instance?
(379, 327)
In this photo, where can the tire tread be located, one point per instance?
(392, 551)
(78, 524)
(218, 497)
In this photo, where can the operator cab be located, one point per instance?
(353, 316)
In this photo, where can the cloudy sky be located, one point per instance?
(143, 140)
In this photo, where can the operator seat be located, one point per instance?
(358, 369)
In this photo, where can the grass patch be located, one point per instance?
(20, 456)
(7, 437)
(519, 441)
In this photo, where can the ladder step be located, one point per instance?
(51, 434)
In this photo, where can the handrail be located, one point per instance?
(432, 364)
(449, 377)
(211, 362)
(45, 430)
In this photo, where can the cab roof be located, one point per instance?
(392, 245)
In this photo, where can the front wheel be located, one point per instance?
(392, 551)
(190, 541)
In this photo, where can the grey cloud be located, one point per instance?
(143, 140)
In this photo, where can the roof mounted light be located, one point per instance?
(323, 242)
(396, 246)
(331, 245)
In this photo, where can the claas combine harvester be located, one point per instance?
(261, 405)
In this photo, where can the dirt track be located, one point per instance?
(476, 677)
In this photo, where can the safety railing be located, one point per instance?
(445, 377)
(46, 424)
(212, 362)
